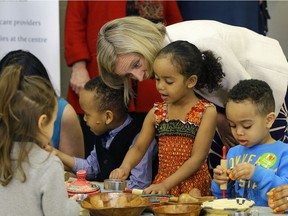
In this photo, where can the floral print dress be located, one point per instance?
(175, 140)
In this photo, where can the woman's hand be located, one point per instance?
(79, 76)
(156, 189)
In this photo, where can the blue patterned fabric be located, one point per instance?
(279, 130)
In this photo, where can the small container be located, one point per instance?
(82, 186)
(253, 212)
(240, 214)
(114, 185)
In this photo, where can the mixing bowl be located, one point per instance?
(115, 204)
(177, 210)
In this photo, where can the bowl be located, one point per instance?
(115, 185)
(115, 204)
(227, 206)
(177, 210)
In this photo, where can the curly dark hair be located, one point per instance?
(256, 90)
(107, 98)
(191, 61)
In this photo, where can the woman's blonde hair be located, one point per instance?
(123, 36)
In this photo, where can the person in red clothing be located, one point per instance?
(82, 23)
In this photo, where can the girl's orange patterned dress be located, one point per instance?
(176, 140)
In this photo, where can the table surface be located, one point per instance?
(262, 211)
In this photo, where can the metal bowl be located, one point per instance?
(114, 185)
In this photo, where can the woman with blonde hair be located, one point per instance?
(127, 47)
(244, 53)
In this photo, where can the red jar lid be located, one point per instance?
(81, 185)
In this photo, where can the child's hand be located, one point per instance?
(231, 175)
(119, 173)
(278, 199)
(156, 189)
(242, 171)
(74, 197)
(51, 149)
(220, 175)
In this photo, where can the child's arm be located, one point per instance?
(67, 160)
(90, 164)
(267, 179)
(199, 154)
(141, 175)
(136, 153)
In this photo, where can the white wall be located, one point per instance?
(278, 24)
(33, 26)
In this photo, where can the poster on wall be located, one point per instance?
(32, 26)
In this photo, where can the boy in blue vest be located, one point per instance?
(107, 116)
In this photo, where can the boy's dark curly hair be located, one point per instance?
(258, 91)
(107, 98)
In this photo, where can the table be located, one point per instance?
(265, 211)
(84, 212)
(256, 211)
(262, 211)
